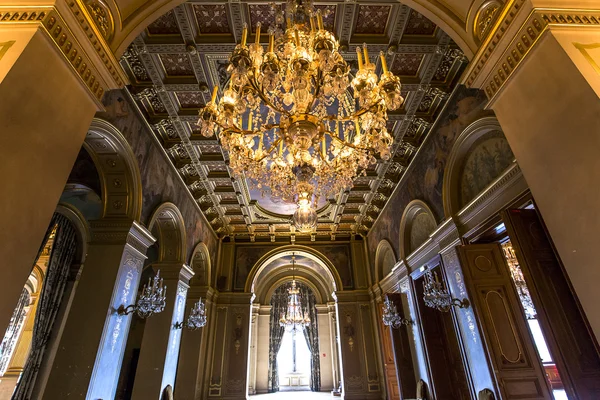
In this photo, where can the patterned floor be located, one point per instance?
(294, 396)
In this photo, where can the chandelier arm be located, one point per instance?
(263, 97)
(270, 150)
(245, 132)
(333, 136)
(353, 116)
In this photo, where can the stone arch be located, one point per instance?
(81, 227)
(416, 225)
(118, 169)
(130, 25)
(482, 140)
(321, 298)
(201, 264)
(385, 260)
(327, 267)
(168, 227)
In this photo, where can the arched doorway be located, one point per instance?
(284, 360)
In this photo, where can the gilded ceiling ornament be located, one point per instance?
(103, 19)
(486, 15)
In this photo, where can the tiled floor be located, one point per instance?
(294, 396)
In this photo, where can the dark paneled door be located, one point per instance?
(509, 344)
(565, 328)
(392, 386)
(404, 367)
(446, 368)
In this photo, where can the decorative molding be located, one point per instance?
(537, 22)
(485, 17)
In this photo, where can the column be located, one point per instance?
(229, 367)
(358, 351)
(159, 352)
(326, 352)
(541, 74)
(262, 349)
(334, 344)
(253, 349)
(194, 357)
(9, 380)
(90, 352)
(51, 81)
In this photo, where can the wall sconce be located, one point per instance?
(151, 301)
(436, 296)
(391, 317)
(196, 319)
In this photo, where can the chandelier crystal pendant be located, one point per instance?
(294, 318)
(293, 118)
(151, 301)
(436, 296)
(391, 317)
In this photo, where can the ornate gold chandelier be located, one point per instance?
(293, 119)
(294, 317)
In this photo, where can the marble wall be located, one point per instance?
(424, 178)
(160, 182)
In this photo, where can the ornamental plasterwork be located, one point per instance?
(202, 36)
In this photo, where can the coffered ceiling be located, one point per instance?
(175, 61)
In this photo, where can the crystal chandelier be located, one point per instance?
(196, 319)
(391, 317)
(436, 296)
(294, 120)
(151, 301)
(294, 317)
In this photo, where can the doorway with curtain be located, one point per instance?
(294, 357)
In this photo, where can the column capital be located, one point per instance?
(174, 271)
(118, 231)
(198, 292)
(352, 296)
(515, 33)
(79, 31)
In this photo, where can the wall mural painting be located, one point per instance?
(426, 174)
(247, 256)
(159, 181)
(422, 226)
(489, 156)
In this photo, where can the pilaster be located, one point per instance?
(159, 351)
(539, 68)
(194, 357)
(357, 341)
(94, 336)
(229, 368)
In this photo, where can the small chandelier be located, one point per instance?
(196, 319)
(391, 317)
(436, 296)
(294, 317)
(151, 301)
(294, 120)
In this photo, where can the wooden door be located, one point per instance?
(509, 344)
(446, 367)
(389, 367)
(564, 325)
(404, 367)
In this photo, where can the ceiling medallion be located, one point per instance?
(293, 120)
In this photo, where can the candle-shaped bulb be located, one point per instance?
(297, 35)
(320, 19)
(366, 53)
(214, 93)
(244, 34)
(280, 147)
(271, 42)
(250, 121)
(359, 58)
(312, 23)
(357, 126)
(257, 39)
(383, 62)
